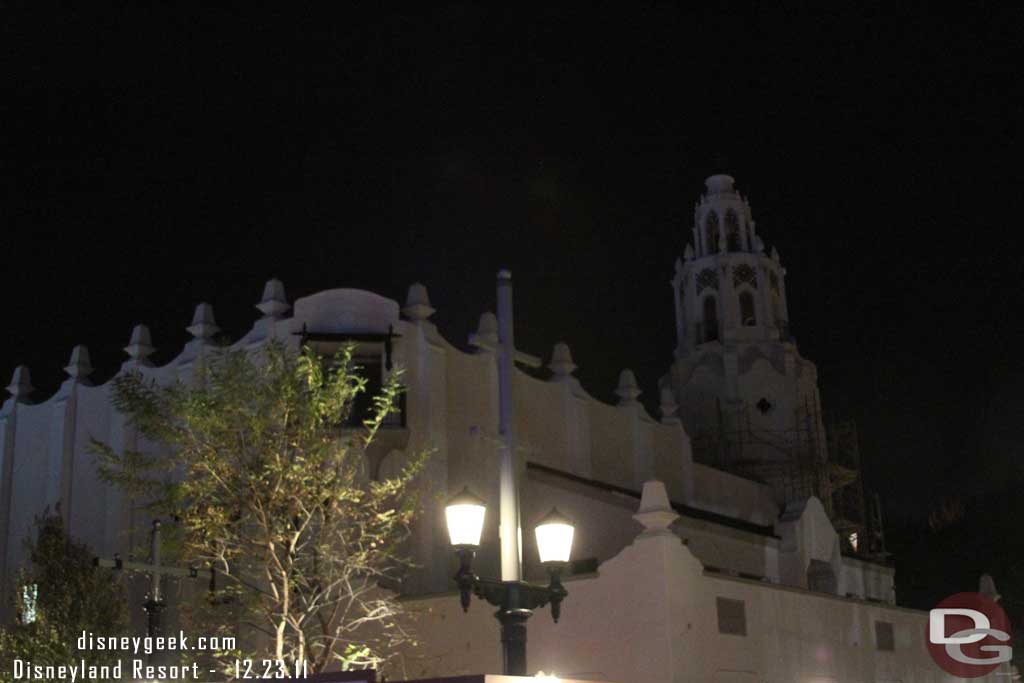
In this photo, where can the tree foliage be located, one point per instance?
(57, 597)
(273, 493)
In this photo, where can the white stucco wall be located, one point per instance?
(733, 496)
(451, 411)
(650, 614)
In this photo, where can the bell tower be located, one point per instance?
(726, 288)
(747, 398)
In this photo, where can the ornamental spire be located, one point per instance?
(655, 513)
(561, 364)
(627, 391)
(79, 367)
(203, 324)
(417, 303)
(487, 330)
(140, 346)
(668, 406)
(274, 303)
(21, 383)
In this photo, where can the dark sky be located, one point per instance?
(154, 159)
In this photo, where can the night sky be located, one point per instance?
(152, 159)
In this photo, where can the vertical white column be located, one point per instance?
(61, 468)
(8, 426)
(62, 448)
(509, 530)
(117, 506)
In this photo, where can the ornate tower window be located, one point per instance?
(706, 279)
(773, 282)
(747, 314)
(711, 232)
(732, 231)
(709, 327)
(744, 273)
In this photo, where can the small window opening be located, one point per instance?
(710, 319)
(885, 636)
(711, 233)
(732, 231)
(732, 616)
(747, 314)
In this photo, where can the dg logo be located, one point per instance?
(969, 635)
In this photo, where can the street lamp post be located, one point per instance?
(514, 599)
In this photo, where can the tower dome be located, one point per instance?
(720, 183)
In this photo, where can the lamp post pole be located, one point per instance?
(155, 604)
(509, 528)
(512, 613)
(515, 599)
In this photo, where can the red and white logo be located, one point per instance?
(968, 635)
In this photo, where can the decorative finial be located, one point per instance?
(203, 325)
(668, 405)
(417, 303)
(21, 383)
(775, 255)
(627, 391)
(79, 366)
(758, 244)
(987, 587)
(688, 252)
(655, 513)
(561, 362)
(140, 345)
(487, 330)
(274, 303)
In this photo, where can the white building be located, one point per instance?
(759, 544)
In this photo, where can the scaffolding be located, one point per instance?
(802, 460)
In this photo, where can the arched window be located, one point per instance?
(748, 316)
(732, 231)
(711, 233)
(710, 324)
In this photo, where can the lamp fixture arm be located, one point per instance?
(509, 596)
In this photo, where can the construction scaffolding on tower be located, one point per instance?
(801, 461)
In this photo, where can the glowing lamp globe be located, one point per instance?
(554, 537)
(465, 516)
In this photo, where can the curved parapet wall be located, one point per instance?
(350, 311)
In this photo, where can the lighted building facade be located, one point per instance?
(749, 536)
